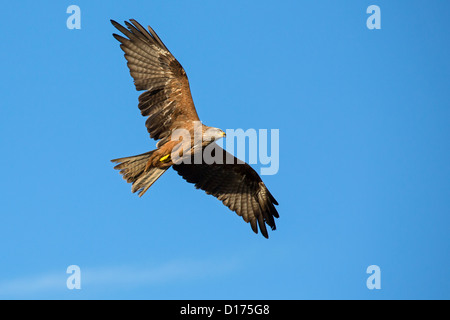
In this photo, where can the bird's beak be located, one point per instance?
(224, 134)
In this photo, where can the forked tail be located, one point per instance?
(134, 169)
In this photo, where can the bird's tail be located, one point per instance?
(135, 170)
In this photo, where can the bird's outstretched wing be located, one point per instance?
(167, 102)
(237, 185)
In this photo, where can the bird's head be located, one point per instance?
(213, 134)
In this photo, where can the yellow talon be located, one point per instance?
(166, 157)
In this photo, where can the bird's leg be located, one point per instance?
(165, 158)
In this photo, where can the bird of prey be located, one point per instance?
(168, 104)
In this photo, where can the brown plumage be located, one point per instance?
(167, 103)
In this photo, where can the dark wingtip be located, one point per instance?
(272, 198)
(119, 38)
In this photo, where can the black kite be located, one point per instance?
(168, 104)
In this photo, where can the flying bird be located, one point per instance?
(167, 103)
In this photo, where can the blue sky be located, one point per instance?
(364, 173)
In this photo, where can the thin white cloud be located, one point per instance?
(107, 277)
(40, 283)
